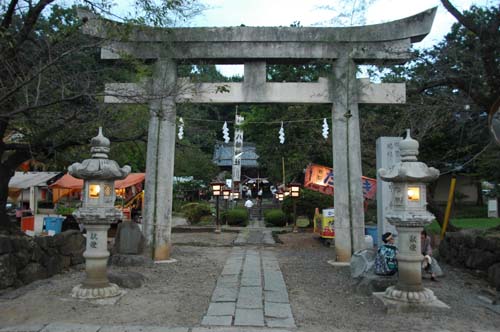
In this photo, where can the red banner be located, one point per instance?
(320, 178)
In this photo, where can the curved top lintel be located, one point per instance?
(415, 28)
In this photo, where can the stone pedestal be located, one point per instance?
(409, 294)
(96, 284)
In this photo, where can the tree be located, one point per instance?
(51, 81)
(451, 87)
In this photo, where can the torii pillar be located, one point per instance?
(346, 145)
(160, 160)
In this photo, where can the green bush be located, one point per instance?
(303, 222)
(207, 220)
(193, 212)
(275, 217)
(65, 210)
(236, 217)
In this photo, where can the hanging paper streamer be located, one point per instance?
(181, 129)
(282, 134)
(225, 133)
(325, 128)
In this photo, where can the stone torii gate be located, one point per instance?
(387, 43)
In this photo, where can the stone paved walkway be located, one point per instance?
(250, 291)
(255, 234)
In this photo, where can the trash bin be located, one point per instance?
(53, 224)
(372, 231)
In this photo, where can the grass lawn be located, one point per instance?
(477, 223)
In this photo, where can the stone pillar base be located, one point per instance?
(80, 292)
(396, 300)
(162, 252)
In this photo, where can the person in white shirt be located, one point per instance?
(249, 205)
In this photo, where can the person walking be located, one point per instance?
(249, 205)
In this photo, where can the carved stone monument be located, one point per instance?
(97, 212)
(387, 156)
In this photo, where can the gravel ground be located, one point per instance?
(178, 294)
(322, 296)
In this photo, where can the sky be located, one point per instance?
(311, 13)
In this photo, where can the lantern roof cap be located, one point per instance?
(408, 147)
(409, 169)
(100, 145)
(99, 167)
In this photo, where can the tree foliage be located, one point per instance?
(51, 83)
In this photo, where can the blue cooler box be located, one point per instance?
(372, 230)
(53, 224)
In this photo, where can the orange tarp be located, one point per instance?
(68, 184)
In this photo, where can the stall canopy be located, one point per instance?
(320, 178)
(21, 181)
(68, 184)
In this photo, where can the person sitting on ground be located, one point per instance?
(429, 263)
(386, 263)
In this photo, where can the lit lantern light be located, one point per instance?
(295, 193)
(236, 195)
(226, 193)
(295, 190)
(217, 191)
(94, 190)
(414, 194)
(216, 188)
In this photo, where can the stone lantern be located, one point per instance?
(97, 213)
(408, 213)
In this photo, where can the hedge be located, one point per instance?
(195, 211)
(236, 217)
(275, 217)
